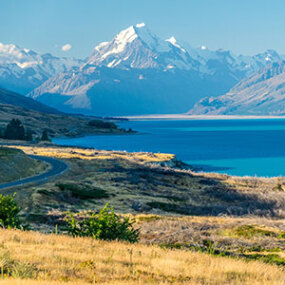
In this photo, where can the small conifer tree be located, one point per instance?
(45, 136)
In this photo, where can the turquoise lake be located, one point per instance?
(238, 147)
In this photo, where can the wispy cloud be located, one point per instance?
(66, 47)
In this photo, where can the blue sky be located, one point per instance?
(243, 26)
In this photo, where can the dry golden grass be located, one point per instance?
(90, 154)
(37, 282)
(233, 235)
(85, 261)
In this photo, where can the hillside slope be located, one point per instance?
(15, 164)
(263, 93)
(12, 98)
(58, 259)
(37, 117)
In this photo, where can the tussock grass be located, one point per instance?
(90, 154)
(59, 259)
(133, 184)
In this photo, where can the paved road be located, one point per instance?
(57, 167)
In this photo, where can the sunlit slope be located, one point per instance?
(60, 259)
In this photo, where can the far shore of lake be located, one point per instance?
(196, 117)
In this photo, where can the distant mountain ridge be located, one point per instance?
(15, 99)
(134, 73)
(262, 93)
(21, 70)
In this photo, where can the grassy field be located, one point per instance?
(248, 238)
(61, 259)
(195, 228)
(15, 164)
(144, 183)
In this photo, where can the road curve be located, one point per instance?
(57, 167)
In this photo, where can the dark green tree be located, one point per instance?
(45, 136)
(29, 135)
(15, 130)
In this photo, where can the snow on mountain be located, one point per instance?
(22, 70)
(213, 62)
(139, 73)
(138, 47)
(262, 93)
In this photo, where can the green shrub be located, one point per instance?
(267, 258)
(9, 212)
(83, 191)
(105, 225)
(102, 125)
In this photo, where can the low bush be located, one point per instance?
(248, 231)
(9, 212)
(267, 258)
(102, 125)
(105, 225)
(83, 191)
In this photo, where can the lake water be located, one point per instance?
(238, 147)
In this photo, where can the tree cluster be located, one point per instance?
(15, 130)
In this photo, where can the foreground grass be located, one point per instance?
(57, 259)
(248, 238)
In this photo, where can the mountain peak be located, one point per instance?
(131, 33)
(135, 46)
(174, 42)
(127, 35)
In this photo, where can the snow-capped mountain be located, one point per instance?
(22, 70)
(262, 93)
(213, 62)
(139, 73)
(137, 47)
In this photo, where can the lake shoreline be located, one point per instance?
(235, 147)
(196, 117)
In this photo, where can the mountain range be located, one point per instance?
(22, 70)
(262, 93)
(134, 73)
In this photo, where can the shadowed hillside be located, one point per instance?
(15, 164)
(12, 98)
(38, 117)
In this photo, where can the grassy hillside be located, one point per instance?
(37, 117)
(56, 259)
(194, 228)
(136, 183)
(56, 124)
(15, 164)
